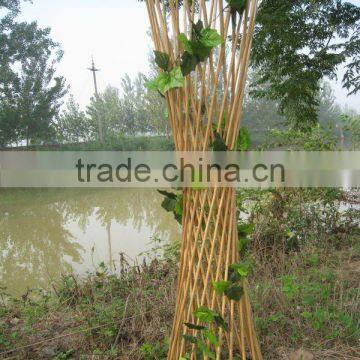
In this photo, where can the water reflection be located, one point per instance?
(44, 233)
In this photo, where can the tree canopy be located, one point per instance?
(298, 43)
(30, 92)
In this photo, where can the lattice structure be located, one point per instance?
(211, 97)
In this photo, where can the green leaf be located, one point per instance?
(173, 203)
(178, 209)
(160, 83)
(186, 43)
(153, 84)
(167, 81)
(205, 349)
(196, 30)
(211, 337)
(194, 327)
(211, 38)
(202, 42)
(234, 292)
(169, 195)
(205, 315)
(242, 268)
(176, 78)
(188, 63)
(168, 204)
(220, 322)
(162, 60)
(218, 144)
(190, 339)
(221, 286)
(237, 5)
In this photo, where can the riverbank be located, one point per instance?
(302, 300)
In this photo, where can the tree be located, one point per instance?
(13, 6)
(73, 125)
(259, 114)
(298, 43)
(156, 114)
(30, 93)
(134, 118)
(108, 107)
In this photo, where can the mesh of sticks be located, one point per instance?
(208, 104)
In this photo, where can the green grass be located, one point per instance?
(311, 303)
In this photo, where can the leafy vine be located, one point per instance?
(196, 50)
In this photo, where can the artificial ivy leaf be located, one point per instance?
(154, 84)
(178, 209)
(201, 51)
(194, 327)
(205, 315)
(168, 204)
(162, 60)
(160, 83)
(220, 322)
(211, 38)
(211, 337)
(234, 276)
(186, 43)
(242, 268)
(167, 81)
(237, 5)
(204, 349)
(176, 79)
(218, 144)
(188, 63)
(173, 203)
(234, 292)
(169, 195)
(221, 286)
(197, 29)
(190, 339)
(202, 42)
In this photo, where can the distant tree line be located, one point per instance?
(297, 45)
(131, 111)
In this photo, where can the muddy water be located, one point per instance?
(46, 233)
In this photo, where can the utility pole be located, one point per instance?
(94, 70)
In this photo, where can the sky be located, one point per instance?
(115, 33)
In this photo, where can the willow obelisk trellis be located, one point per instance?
(202, 49)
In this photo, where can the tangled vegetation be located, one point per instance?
(306, 251)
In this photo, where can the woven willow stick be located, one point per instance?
(211, 95)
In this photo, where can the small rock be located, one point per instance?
(48, 352)
(301, 355)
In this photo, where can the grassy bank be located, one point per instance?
(302, 300)
(304, 288)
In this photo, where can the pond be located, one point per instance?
(47, 233)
